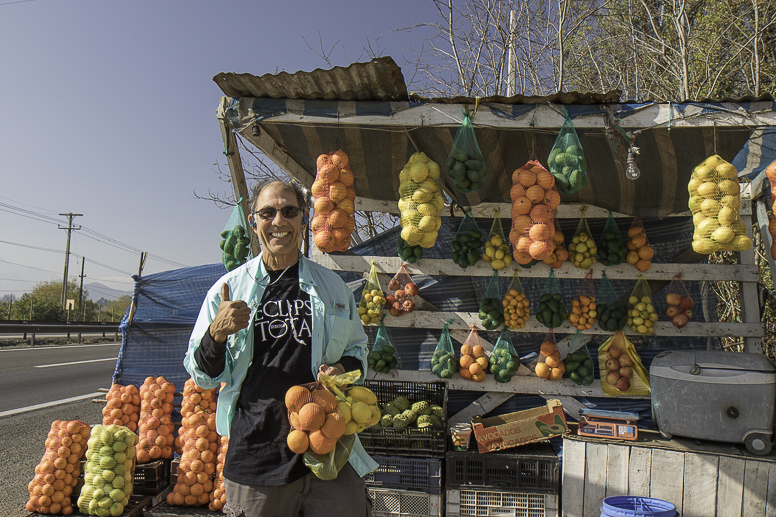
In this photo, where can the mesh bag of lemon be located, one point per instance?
(549, 366)
(641, 312)
(109, 470)
(612, 313)
(504, 360)
(467, 243)
(382, 358)
(497, 252)
(235, 241)
(465, 164)
(582, 248)
(534, 201)
(611, 251)
(715, 203)
(334, 198)
(516, 306)
(57, 474)
(474, 364)
(420, 202)
(567, 159)
(579, 362)
(372, 298)
(621, 369)
(552, 308)
(491, 314)
(443, 363)
(639, 252)
(583, 307)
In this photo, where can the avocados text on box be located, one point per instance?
(513, 429)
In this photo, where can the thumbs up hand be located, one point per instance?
(231, 317)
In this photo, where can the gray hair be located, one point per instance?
(292, 186)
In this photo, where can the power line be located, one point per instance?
(33, 247)
(31, 267)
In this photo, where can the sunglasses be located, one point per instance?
(268, 213)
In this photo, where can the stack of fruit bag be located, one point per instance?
(715, 202)
(123, 406)
(109, 471)
(334, 202)
(420, 201)
(156, 427)
(57, 473)
(534, 200)
(200, 447)
(218, 495)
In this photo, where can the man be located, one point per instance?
(273, 323)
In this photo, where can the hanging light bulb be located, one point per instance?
(632, 172)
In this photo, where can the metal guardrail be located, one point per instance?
(31, 328)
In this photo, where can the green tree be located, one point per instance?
(41, 308)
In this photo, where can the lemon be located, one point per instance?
(433, 170)
(498, 264)
(495, 241)
(430, 185)
(738, 227)
(732, 201)
(421, 195)
(741, 243)
(729, 188)
(360, 412)
(708, 189)
(723, 234)
(404, 175)
(701, 172)
(697, 218)
(404, 204)
(726, 171)
(703, 246)
(437, 223)
(707, 227)
(428, 239)
(710, 207)
(693, 185)
(437, 201)
(713, 161)
(694, 204)
(351, 427)
(411, 234)
(426, 209)
(726, 216)
(426, 223)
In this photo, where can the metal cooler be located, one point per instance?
(722, 396)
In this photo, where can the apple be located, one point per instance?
(672, 310)
(394, 284)
(673, 299)
(408, 305)
(686, 303)
(389, 300)
(614, 353)
(400, 295)
(411, 289)
(394, 311)
(613, 378)
(687, 313)
(612, 365)
(623, 384)
(679, 321)
(625, 360)
(626, 371)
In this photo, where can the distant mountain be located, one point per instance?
(97, 290)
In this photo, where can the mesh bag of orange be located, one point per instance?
(534, 201)
(549, 366)
(715, 203)
(474, 363)
(334, 198)
(156, 428)
(57, 473)
(420, 202)
(123, 406)
(218, 495)
(639, 252)
(583, 307)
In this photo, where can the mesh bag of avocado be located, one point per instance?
(467, 243)
(612, 313)
(465, 164)
(443, 363)
(235, 240)
(382, 358)
(567, 160)
(504, 360)
(552, 308)
(611, 251)
(715, 203)
(420, 203)
(491, 314)
(579, 362)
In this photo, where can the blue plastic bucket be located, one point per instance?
(631, 506)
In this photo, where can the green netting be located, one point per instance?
(491, 314)
(567, 160)
(467, 244)
(552, 308)
(579, 362)
(611, 251)
(382, 358)
(504, 360)
(235, 240)
(443, 363)
(612, 314)
(465, 164)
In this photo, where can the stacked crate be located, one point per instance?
(408, 482)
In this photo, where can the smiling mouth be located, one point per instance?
(279, 235)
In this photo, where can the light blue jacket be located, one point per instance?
(336, 331)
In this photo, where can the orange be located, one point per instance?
(555, 374)
(539, 250)
(340, 159)
(524, 244)
(311, 417)
(552, 362)
(466, 349)
(347, 206)
(479, 377)
(483, 362)
(541, 232)
(545, 180)
(522, 206)
(334, 426)
(541, 214)
(298, 441)
(522, 257)
(478, 351)
(464, 373)
(337, 191)
(535, 194)
(296, 397)
(639, 241)
(521, 223)
(320, 443)
(475, 368)
(643, 265)
(633, 231)
(325, 399)
(552, 199)
(526, 177)
(548, 348)
(632, 257)
(646, 252)
(517, 191)
(466, 360)
(542, 370)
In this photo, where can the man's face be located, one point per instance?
(279, 236)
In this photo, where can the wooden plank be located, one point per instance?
(617, 470)
(639, 471)
(770, 501)
(436, 267)
(750, 300)
(730, 487)
(595, 478)
(667, 471)
(483, 405)
(755, 488)
(573, 478)
(700, 483)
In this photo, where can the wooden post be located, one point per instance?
(235, 168)
(750, 302)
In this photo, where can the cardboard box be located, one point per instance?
(513, 429)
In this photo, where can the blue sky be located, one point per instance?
(109, 111)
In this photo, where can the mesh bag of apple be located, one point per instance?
(465, 164)
(534, 201)
(516, 306)
(567, 159)
(334, 198)
(641, 312)
(443, 363)
(679, 304)
(582, 248)
(122, 407)
(497, 252)
(155, 427)
(640, 252)
(467, 243)
(549, 366)
(491, 314)
(583, 307)
(611, 251)
(504, 361)
(612, 313)
(715, 202)
(474, 363)
(622, 372)
(579, 362)
(382, 358)
(420, 204)
(218, 495)
(372, 298)
(57, 473)
(402, 299)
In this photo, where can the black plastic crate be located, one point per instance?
(407, 441)
(151, 478)
(407, 473)
(532, 468)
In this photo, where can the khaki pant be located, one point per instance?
(307, 497)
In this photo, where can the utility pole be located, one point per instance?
(69, 229)
(511, 56)
(81, 288)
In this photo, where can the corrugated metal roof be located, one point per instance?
(556, 98)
